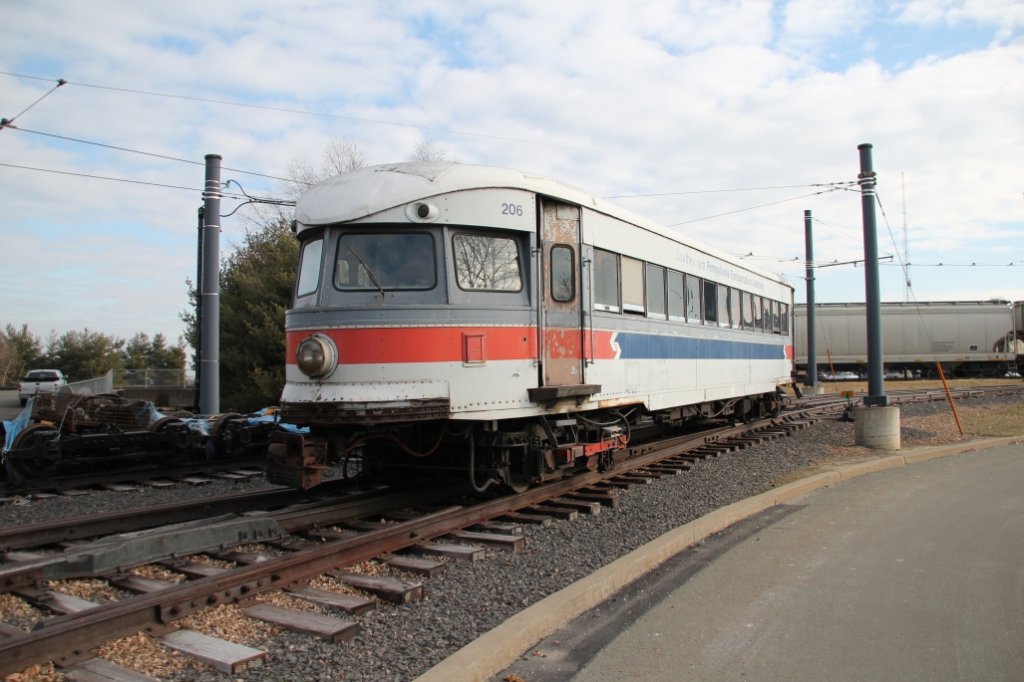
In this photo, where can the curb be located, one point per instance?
(498, 648)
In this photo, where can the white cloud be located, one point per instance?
(617, 98)
(1007, 15)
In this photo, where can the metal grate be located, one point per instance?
(72, 412)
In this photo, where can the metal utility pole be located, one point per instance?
(209, 292)
(812, 346)
(907, 294)
(199, 308)
(872, 296)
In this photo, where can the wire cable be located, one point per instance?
(321, 114)
(751, 208)
(112, 179)
(145, 153)
(8, 122)
(846, 183)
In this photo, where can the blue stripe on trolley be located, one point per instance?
(653, 347)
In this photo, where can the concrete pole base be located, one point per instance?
(877, 427)
(817, 389)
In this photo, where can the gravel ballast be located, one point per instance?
(466, 599)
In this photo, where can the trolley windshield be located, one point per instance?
(382, 261)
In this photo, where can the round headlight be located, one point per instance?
(316, 356)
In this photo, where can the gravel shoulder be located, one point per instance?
(468, 599)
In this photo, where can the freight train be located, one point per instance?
(968, 338)
(487, 323)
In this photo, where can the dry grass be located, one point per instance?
(969, 421)
(1007, 421)
(916, 384)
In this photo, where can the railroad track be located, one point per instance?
(133, 475)
(370, 531)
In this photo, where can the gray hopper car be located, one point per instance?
(969, 338)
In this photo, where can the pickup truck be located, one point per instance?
(40, 380)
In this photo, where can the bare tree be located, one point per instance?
(428, 149)
(339, 156)
(342, 156)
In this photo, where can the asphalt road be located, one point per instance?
(910, 574)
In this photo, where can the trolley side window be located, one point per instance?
(382, 261)
(309, 268)
(486, 263)
(693, 299)
(723, 306)
(747, 308)
(656, 291)
(734, 308)
(606, 281)
(676, 296)
(710, 303)
(632, 285)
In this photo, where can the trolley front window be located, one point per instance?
(383, 261)
(485, 263)
(309, 268)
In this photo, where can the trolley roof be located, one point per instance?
(367, 191)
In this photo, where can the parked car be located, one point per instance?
(40, 380)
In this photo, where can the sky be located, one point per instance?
(722, 119)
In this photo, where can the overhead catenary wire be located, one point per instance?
(834, 185)
(230, 195)
(357, 119)
(830, 187)
(850, 185)
(9, 122)
(752, 208)
(166, 157)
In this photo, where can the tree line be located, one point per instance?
(83, 354)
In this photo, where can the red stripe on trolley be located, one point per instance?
(383, 345)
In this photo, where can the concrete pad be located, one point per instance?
(931, 452)
(785, 493)
(869, 467)
(495, 650)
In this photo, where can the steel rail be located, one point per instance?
(75, 634)
(66, 530)
(154, 613)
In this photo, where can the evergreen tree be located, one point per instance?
(84, 354)
(20, 351)
(255, 291)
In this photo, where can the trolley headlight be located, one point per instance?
(316, 356)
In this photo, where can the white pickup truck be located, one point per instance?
(40, 380)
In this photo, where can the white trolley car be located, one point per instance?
(481, 319)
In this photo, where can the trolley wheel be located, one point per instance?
(516, 482)
(43, 462)
(518, 473)
(228, 440)
(179, 443)
(220, 422)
